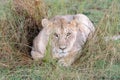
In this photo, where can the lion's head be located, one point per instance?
(62, 35)
(66, 36)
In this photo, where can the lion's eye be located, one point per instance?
(56, 35)
(68, 34)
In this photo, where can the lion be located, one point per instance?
(67, 35)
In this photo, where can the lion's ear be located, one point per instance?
(45, 22)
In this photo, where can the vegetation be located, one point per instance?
(100, 59)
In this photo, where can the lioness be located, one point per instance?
(67, 35)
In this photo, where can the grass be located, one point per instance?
(100, 59)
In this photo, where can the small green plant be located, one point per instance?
(48, 54)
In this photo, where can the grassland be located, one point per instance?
(100, 59)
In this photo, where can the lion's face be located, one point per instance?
(62, 37)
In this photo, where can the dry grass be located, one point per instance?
(34, 9)
(23, 22)
(19, 25)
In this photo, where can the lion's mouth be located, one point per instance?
(62, 52)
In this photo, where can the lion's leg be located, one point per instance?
(69, 59)
(36, 55)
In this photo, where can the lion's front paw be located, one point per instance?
(36, 55)
(64, 63)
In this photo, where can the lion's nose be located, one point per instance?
(62, 47)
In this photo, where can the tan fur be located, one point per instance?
(67, 35)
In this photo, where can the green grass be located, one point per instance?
(100, 59)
